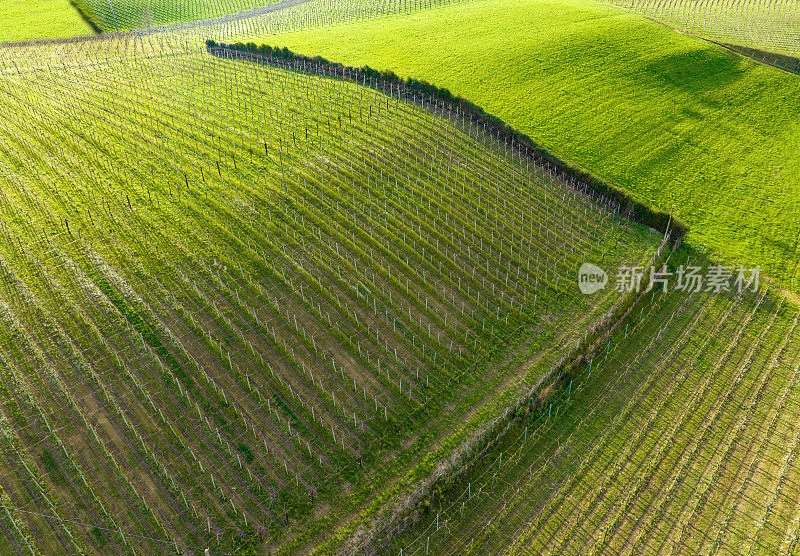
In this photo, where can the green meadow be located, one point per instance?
(22, 20)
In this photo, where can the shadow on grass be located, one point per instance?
(696, 70)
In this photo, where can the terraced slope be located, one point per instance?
(239, 302)
(667, 117)
(679, 436)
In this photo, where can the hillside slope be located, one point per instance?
(669, 118)
(239, 301)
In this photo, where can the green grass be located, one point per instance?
(22, 20)
(206, 267)
(669, 118)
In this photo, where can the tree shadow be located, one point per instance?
(696, 70)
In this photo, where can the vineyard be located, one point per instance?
(253, 301)
(672, 120)
(34, 25)
(124, 15)
(762, 24)
(678, 435)
(239, 301)
(235, 18)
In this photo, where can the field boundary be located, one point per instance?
(587, 352)
(424, 93)
(783, 62)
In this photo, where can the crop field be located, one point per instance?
(771, 26)
(277, 305)
(667, 117)
(679, 436)
(220, 19)
(124, 15)
(196, 20)
(240, 301)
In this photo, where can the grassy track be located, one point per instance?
(239, 300)
(680, 438)
(22, 20)
(669, 118)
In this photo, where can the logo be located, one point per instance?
(591, 278)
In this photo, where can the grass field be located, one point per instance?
(22, 20)
(679, 436)
(243, 301)
(669, 118)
